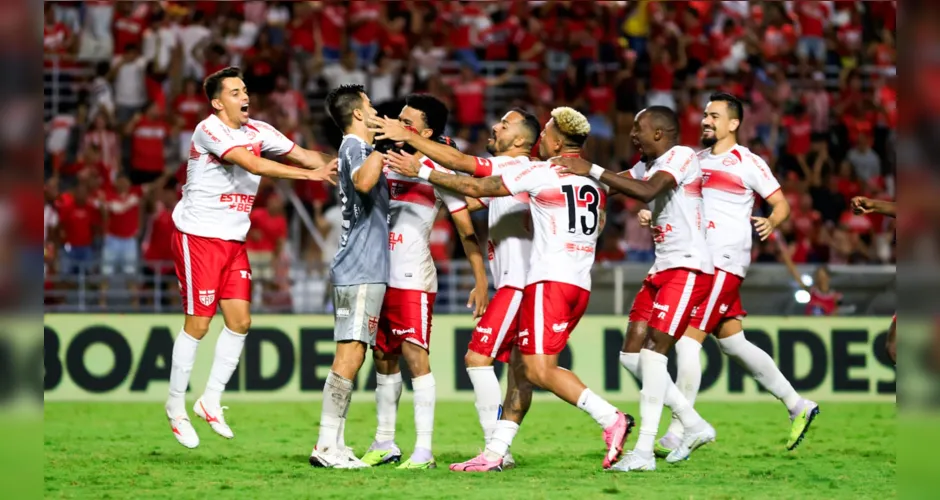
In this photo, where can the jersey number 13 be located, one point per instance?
(582, 206)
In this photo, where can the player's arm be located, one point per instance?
(862, 205)
(474, 204)
(405, 164)
(645, 191)
(479, 296)
(308, 159)
(780, 211)
(442, 154)
(267, 168)
(367, 175)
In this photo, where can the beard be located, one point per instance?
(710, 141)
(491, 148)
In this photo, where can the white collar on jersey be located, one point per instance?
(356, 137)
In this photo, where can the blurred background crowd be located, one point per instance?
(123, 94)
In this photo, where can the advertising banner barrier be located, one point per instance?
(287, 358)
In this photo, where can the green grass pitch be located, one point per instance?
(124, 451)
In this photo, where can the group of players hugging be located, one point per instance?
(544, 218)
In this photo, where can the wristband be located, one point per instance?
(596, 172)
(425, 172)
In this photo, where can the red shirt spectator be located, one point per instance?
(266, 230)
(690, 125)
(813, 17)
(858, 224)
(191, 109)
(300, 31)
(462, 17)
(365, 18)
(662, 75)
(470, 92)
(127, 29)
(823, 303)
(333, 26)
(78, 219)
(799, 131)
(122, 206)
(159, 235)
(394, 42)
(156, 94)
(442, 237)
(778, 40)
(862, 123)
(497, 38)
(586, 37)
(698, 46)
(148, 139)
(600, 99)
(56, 38)
(887, 97)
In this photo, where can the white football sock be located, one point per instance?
(688, 377)
(341, 433)
(228, 350)
(424, 398)
(487, 393)
(600, 410)
(502, 439)
(337, 394)
(181, 365)
(387, 395)
(761, 366)
(684, 412)
(631, 361)
(655, 383)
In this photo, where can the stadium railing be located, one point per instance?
(303, 288)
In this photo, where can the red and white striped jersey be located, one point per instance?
(414, 204)
(678, 214)
(567, 215)
(510, 223)
(218, 196)
(730, 181)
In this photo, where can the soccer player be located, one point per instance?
(510, 245)
(732, 176)
(567, 215)
(359, 271)
(405, 321)
(862, 205)
(224, 170)
(668, 178)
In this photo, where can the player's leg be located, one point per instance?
(388, 387)
(197, 263)
(518, 398)
(688, 381)
(550, 312)
(762, 367)
(676, 291)
(891, 341)
(356, 316)
(425, 397)
(492, 338)
(235, 300)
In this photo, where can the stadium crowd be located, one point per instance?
(818, 79)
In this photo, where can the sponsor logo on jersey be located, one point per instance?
(723, 309)
(397, 331)
(660, 307)
(559, 327)
(245, 275)
(206, 297)
(343, 312)
(238, 202)
(484, 330)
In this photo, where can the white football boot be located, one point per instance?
(183, 429)
(214, 417)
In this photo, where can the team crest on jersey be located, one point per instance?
(729, 161)
(206, 297)
(373, 324)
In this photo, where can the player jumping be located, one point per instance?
(567, 214)
(224, 170)
(405, 321)
(669, 179)
(732, 176)
(359, 271)
(862, 205)
(510, 245)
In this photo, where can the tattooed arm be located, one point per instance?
(469, 186)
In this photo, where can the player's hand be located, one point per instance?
(763, 226)
(386, 128)
(402, 162)
(861, 205)
(326, 173)
(479, 299)
(645, 217)
(575, 166)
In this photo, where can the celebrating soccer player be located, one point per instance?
(567, 214)
(224, 170)
(510, 245)
(405, 321)
(668, 178)
(732, 175)
(359, 271)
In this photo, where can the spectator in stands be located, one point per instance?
(128, 28)
(105, 142)
(345, 72)
(129, 72)
(663, 72)
(276, 17)
(426, 60)
(266, 240)
(383, 80)
(101, 94)
(189, 108)
(469, 91)
(864, 161)
(80, 225)
(158, 255)
(193, 35)
(798, 141)
(332, 30)
(599, 96)
(813, 20)
(638, 240)
(149, 133)
(119, 253)
(160, 42)
(824, 301)
(290, 101)
(262, 63)
(365, 20)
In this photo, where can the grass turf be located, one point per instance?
(119, 450)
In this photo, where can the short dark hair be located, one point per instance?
(531, 125)
(434, 111)
(664, 118)
(212, 85)
(342, 101)
(735, 106)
